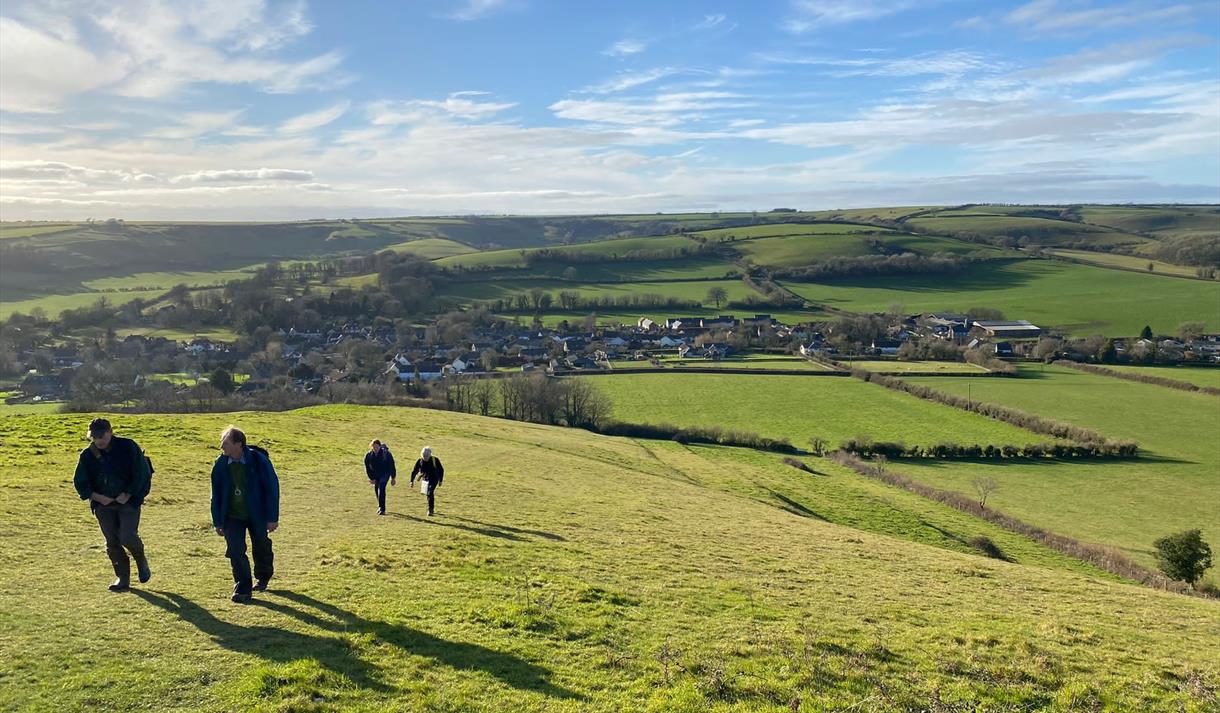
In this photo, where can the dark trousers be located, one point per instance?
(120, 526)
(431, 493)
(235, 550)
(379, 486)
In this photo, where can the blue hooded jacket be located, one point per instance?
(262, 490)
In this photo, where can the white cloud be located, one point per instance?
(1075, 17)
(668, 109)
(386, 113)
(197, 123)
(235, 175)
(626, 47)
(152, 49)
(315, 119)
(630, 80)
(39, 72)
(476, 9)
(710, 22)
(948, 62)
(809, 15)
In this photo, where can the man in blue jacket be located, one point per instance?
(379, 467)
(245, 498)
(114, 476)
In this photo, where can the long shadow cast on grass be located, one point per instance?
(281, 646)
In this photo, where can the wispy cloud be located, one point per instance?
(476, 9)
(236, 175)
(1059, 16)
(709, 22)
(315, 119)
(630, 80)
(809, 15)
(626, 47)
(457, 105)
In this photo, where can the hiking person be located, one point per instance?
(379, 466)
(431, 473)
(114, 476)
(245, 498)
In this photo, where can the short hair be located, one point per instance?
(99, 427)
(376, 442)
(426, 453)
(232, 434)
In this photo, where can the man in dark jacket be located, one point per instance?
(431, 472)
(114, 476)
(245, 498)
(379, 467)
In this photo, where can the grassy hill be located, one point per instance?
(565, 572)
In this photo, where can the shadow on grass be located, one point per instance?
(338, 654)
(794, 507)
(489, 531)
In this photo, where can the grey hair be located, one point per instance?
(426, 453)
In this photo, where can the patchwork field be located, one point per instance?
(1040, 231)
(918, 367)
(1078, 298)
(797, 408)
(1125, 503)
(564, 572)
(1199, 375)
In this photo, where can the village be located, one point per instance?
(306, 360)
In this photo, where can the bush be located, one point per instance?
(987, 547)
(1183, 556)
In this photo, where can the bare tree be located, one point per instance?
(717, 295)
(985, 487)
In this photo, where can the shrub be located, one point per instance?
(1183, 556)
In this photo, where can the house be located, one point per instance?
(1009, 329)
(721, 322)
(645, 324)
(716, 351)
(668, 341)
(47, 386)
(887, 347)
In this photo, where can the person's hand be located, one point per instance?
(371, 482)
(273, 526)
(393, 481)
(219, 531)
(123, 498)
(101, 499)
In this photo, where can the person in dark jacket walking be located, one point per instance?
(245, 498)
(114, 476)
(431, 473)
(379, 466)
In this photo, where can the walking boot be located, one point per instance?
(142, 570)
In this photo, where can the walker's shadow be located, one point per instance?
(279, 645)
(483, 528)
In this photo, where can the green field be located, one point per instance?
(761, 362)
(1080, 299)
(1166, 221)
(1041, 231)
(503, 259)
(166, 280)
(797, 250)
(1197, 375)
(631, 317)
(1128, 262)
(1124, 503)
(54, 304)
(26, 230)
(433, 248)
(797, 408)
(691, 290)
(917, 367)
(750, 232)
(565, 572)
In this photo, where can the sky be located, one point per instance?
(284, 110)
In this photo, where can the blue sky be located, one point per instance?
(259, 109)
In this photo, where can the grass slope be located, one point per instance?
(797, 408)
(1197, 375)
(566, 572)
(1078, 298)
(1124, 503)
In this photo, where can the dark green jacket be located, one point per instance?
(129, 472)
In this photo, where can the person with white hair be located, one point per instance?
(431, 473)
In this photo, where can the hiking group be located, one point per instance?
(380, 469)
(115, 476)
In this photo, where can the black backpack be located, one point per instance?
(260, 449)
